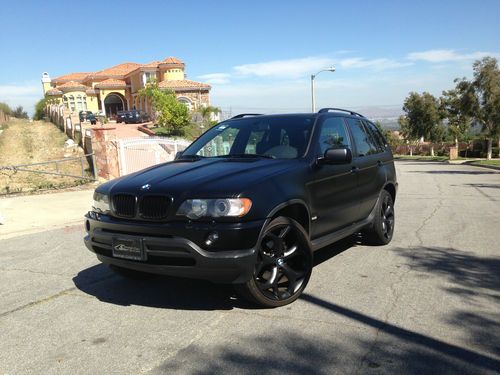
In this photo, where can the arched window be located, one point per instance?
(186, 102)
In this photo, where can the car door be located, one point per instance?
(332, 187)
(368, 165)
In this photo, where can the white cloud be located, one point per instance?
(444, 55)
(378, 64)
(291, 68)
(26, 94)
(216, 78)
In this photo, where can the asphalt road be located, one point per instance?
(427, 303)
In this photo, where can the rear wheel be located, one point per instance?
(382, 228)
(283, 267)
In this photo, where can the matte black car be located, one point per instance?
(135, 117)
(249, 202)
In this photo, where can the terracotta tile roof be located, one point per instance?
(54, 91)
(71, 85)
(119, 70)
(183, 84)
(172, 60)
(152, 64)
(78, 77)
(111, 82)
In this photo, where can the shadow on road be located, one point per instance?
(397, 351)
(174, 293)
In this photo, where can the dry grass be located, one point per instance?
(22, 142)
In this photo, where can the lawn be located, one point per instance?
(421, 157)
(493, 162)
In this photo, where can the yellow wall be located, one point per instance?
(93, 103)
(136, 82)
(46, 86)
(173, 74)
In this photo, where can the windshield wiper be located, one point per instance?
(266, 156)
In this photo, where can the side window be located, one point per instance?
(333, 134)
(376, 135)
(220, 144)
(365, 145)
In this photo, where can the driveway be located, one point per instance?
(427, 303)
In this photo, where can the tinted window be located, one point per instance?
(365, 145)
(333, 134)
(376, 135)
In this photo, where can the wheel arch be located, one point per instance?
(391, 189)
(295, 209)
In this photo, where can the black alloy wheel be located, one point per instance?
(283, 267)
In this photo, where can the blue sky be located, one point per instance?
(258, 55)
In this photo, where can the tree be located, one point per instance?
(206, 114)
(422, 119)
(40, 109)
(170, 113)
(487, 87)
(19, 112)
(4, 107)
(458, 105)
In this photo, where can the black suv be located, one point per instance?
(249, 202)
(135, 117)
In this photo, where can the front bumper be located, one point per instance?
(170, 250)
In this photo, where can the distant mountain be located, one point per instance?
(387, 114)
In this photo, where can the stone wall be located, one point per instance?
(197, 97)
(104, 146)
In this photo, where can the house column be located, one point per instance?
(102, 104)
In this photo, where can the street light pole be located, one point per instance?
(313, 76)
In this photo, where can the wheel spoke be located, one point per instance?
(284, 231)
(387, 211)
(290, 252)
(270, 282)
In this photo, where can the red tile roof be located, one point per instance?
(119, 70)
(72, 85)
(110, 82)
(183, 84)
(78, 77)
(54, 91)
(172, 60)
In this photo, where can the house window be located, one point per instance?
(79, 103)
(72, 103)
(84, 103)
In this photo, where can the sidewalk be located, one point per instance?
(38, 213)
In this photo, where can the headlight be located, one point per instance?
(101, 203)
(197, 208)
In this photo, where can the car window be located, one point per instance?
(376, 135)
(365, 145)
(219, 145)
(333, 134)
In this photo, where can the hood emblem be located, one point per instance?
(146, 187)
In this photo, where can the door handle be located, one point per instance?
(354, 169)
(379, 163)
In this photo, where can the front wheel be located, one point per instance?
(284, 265)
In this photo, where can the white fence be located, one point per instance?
(139, 153)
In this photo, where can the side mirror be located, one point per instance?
(178, 154)
(341, 155)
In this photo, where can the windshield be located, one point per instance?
(280, 137)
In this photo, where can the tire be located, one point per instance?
(284, 265)
(130, 274)
(382, 227)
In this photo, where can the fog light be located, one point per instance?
(211, 238)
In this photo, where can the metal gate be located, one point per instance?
(139, 153)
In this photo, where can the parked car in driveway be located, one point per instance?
(249, 202)
(85, 116)
(121, 116)
(136, 117)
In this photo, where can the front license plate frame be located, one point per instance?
(130, 248)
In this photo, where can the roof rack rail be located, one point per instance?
(241, 115)
(323, 110)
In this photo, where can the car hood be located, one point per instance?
(200, 178)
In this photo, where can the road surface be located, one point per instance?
(427, 303)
